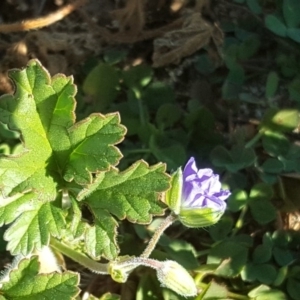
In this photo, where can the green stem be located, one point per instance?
(79, 258)
(137, 94)
(202, 253)
(230, 295)
(135, 262)
(240, 221)
(237, 296)
(159, 231)
(254, 140)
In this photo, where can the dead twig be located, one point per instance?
(42, 21)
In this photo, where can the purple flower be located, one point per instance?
(202, 189)
(196, 197)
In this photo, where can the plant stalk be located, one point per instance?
(230, 295)
(240, 221)
(254, 140)
(85, 261)
(168, 221)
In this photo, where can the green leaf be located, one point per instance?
(294, 34)
(114, 56)
(168, 150)
(248, 47)
(148, 288)
(173, 195)
(219, 231)
(264, 292)
(106, 296)
(291, 160)
(266, 273)
(293, 288)
(55, 152)
(237, 200)
(102, 84)
(275, 143)
(8, 134)
(138, 77)
(100, 239)
(204, 64)
(214, 291)
(272, 165)
(294, 89)
(261, 207)
(283, 257)
(231, 256)
(131, 194)
(276, 25)
(26, 283)
(291, 12)
(243, 239)
(4, 149)
(248, 272)
(90, 137)
(287, 64)
(262, 254)
(281, 238)
(286, 119)
(281, 276)
(30, 231)
(238, 158)
(77, 228)
(182, 252)
(234, 82)
(156, 94)
(168, 114)
(254, 6)
(272, 84)
(280, 120)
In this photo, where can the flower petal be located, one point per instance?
(202, 189)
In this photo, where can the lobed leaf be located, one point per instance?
(56, 151)
(26, 283)
(131, 194)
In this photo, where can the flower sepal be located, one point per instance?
(120, 269)
(173, 195)
(175, 277)
(199, 217)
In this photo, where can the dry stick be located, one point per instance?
(42, 21)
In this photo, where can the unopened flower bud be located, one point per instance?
(120, 269)
(175, 277)
(196, 196)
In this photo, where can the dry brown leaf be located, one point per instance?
(195, 35)
(131, 18)
(58, 51)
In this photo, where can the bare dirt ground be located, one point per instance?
(62, 35)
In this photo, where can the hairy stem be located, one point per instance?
(135, 262)
(85, 261)
(159, 231)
